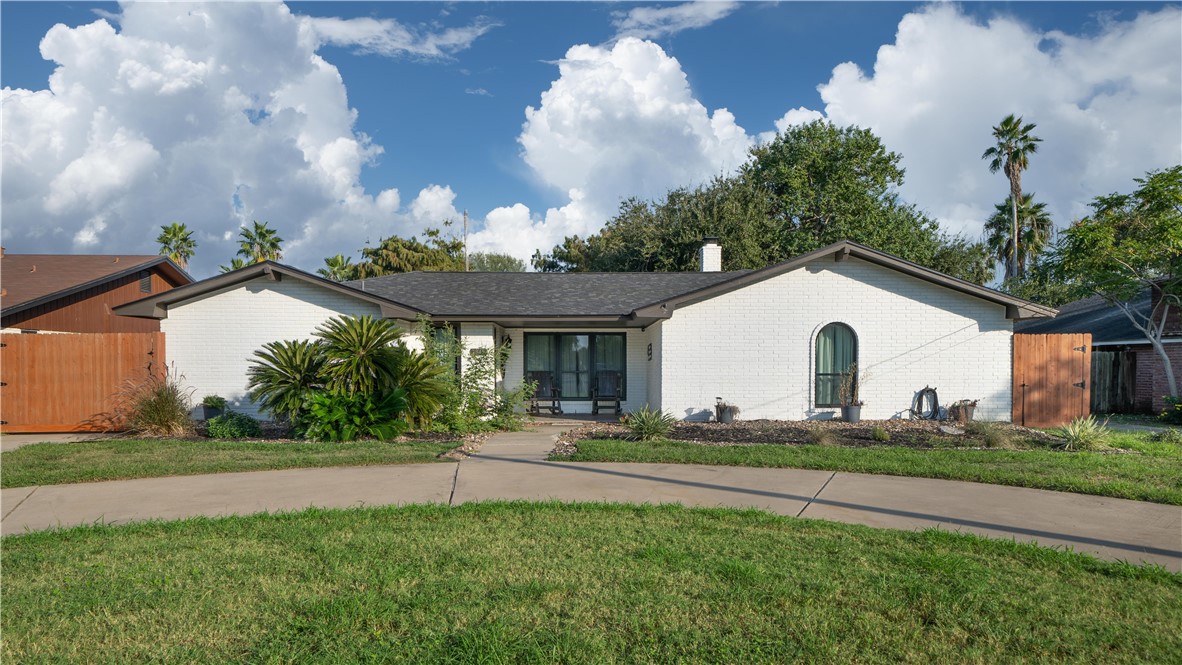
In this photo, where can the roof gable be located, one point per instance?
(156, 306)
(35, 279)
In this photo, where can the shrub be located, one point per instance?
(233, 425)
(332, 416)
(425, 383)
(821, 436)
(284, 375)
(359, 354)
(214, 401)
(1171, 435)
(471, 401)
(1173, 411)
(1083, 434)
(880, 434)
(992, 435)
(157, 406)
(648, 424)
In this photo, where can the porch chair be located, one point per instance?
(547, 391)
(607, 392)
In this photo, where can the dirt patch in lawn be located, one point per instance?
(907, 433)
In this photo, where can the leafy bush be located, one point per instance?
(360, 355)
(233, 425)
(880, 434)
(157, 406)
(1173, 412)
(648, 424)
(820, 436)
(333, 416)
(471, 400)
(1083, 434)
(992, 435)
(284, 375)
(214, 401)
(423, 378)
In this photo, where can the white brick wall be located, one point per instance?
(653, 364)
(210, 339)
(636, 371)
(754, 347)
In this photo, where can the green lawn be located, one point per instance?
(88, 461)
(1148, 471)
(545, 583)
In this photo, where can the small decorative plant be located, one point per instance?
(847, 392)
(1173, 411)
(725, 412)
(1084, 434)
(880, 434)
(233, 426)
(647, 424)
(214, 402)
(962, 410)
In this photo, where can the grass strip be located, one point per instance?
(589, 583)
(89, 461)
(1149, 472)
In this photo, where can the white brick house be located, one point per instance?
(675, 341)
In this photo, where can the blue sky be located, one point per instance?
(452, 128)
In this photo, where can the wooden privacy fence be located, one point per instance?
(66, 382)
(1114, 379)
(1052, 378)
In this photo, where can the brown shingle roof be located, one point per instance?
(29, 277)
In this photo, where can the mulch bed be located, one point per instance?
(907, 433)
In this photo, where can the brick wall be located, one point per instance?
(211, 339)
(1152, 386)
(754, 346)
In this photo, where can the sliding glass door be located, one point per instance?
(576, 359)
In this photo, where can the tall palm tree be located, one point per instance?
(338, 268)
(1011, 155)
(260, 243)
(1034, 231)
(176, 242)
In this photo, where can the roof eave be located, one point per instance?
(166, 265)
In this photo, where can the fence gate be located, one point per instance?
(1052, 378)
(1114, 378)
(65, 382)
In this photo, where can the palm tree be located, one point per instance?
(283, 375)
(176, 242)
(338, 268)
(260, 243)
(1034, 231)
(1011, 156)
(235, 264)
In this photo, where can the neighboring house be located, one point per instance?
(774, 341)
(76, 292)
(1113, 333)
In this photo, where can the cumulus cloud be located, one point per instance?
(619, 121)
(657, 22)
(211, 115)
(1108, 107)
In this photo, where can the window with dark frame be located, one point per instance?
(145, 281)
(576, 359)
(836, 351)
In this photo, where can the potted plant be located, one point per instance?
(725, 412)
(962, 410)
(212, 406)
(847, 395)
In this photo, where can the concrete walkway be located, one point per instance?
(514, 466)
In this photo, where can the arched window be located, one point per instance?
(837, 350)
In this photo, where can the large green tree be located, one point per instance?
(259, 243)
(1129, 244)
(176, 242)
(1034, 231)
(494, 262)
(1011, 155)
(436, 252)
(813, 185)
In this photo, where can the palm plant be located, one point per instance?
(423, 378)
(338, 268)
(259, 243)
(283, 375)
(176, 242)
(1034, 231)
(235, 264)
(360, 356)
(1011, 155)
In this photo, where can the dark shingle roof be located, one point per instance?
(521, 294)
(34, 278)
(1106, 322)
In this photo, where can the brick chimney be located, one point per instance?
(710, 256)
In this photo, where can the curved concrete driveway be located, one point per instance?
(513, 466)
